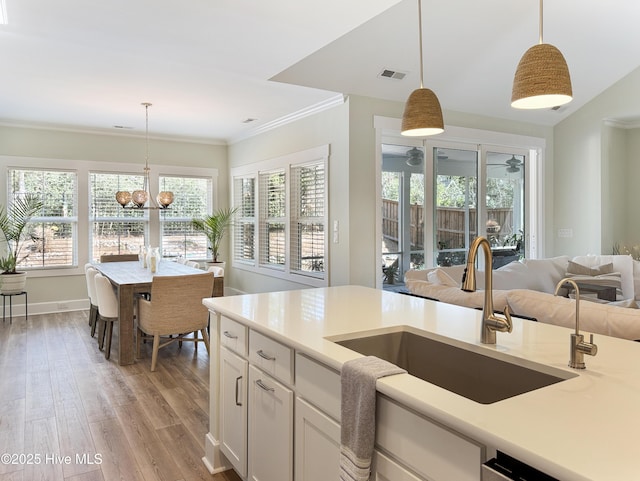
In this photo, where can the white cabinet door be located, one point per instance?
(385, 469)
(270, 428)
(233, 415)
(317, 444)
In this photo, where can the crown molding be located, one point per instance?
(630, 123)
(104, 132)
(331, 102)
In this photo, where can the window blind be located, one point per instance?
(308, 237)
(244, 228)
(273, 210)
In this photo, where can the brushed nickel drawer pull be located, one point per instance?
(263, 355)
(238, 403)
(262, 385)
(229, 335)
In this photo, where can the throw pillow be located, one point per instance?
(579, 269)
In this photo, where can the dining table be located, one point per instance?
(131, 278)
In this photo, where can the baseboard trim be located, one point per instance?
(48, 307)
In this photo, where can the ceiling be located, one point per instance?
(209, 65)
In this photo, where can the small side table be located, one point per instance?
(10, 296)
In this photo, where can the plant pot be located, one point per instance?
(222, 264)
(13, 283)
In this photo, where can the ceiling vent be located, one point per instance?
(394, 74)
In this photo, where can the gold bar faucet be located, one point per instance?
(490, 321)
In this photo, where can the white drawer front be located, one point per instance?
(271, 356)
(318, 384)
(424, 446)
(385, 469)
(233, 336)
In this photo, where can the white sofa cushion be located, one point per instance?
(455, 295)
(547, 272)
(439, 276)
(596, 318)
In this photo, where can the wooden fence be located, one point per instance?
(451, 222)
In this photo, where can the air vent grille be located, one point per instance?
(393, 74)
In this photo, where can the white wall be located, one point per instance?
(327, 127)
(586, 185)
(67, 291)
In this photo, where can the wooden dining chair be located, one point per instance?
(118, 257)
(175, 308)
(108, 311)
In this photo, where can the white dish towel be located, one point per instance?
(358, 426)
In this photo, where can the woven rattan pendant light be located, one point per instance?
(422, 113)
(542, 78)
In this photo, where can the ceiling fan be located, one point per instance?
(414, 156)
(513, 164)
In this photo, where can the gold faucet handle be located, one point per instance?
(507, 317)
(499, 323)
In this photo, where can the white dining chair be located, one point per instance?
(107, 312)
(217, 271)
(90, 274)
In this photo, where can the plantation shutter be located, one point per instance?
(308, 233)
(273, 221)
(244, 199)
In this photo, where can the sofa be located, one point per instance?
(528, 288)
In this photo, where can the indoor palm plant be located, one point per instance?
(215, 227)
(13, 222)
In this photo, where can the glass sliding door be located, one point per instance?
(455, 204)
(402, 216)
(504, 217)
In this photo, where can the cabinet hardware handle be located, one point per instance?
(229, 335)
(238, 390)
(263, 355)
(262, 385)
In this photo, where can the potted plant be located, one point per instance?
(13, 221)
(215, 227)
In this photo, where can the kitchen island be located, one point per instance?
(582, 428)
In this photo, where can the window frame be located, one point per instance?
(82, 169)
(40, 219)
(286, 163)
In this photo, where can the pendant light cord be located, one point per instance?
(146, 155)
(541, 20)
(420, 36)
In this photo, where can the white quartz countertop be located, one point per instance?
(582, 428)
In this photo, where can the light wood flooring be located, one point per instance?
(79, 417)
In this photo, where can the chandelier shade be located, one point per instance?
(542, 78)
(139, 198)
(422, 114)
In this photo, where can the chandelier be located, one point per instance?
(139, 198)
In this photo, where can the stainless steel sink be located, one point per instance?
(482, 377)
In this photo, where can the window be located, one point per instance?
(244, 190)
(287, 238)
(272, 219)
(55, 230)
(192, 200)
(114, 230)
(307, 218)
(81, 219)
